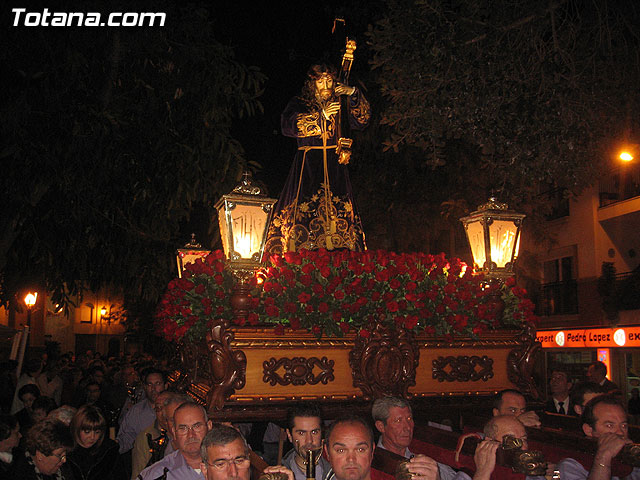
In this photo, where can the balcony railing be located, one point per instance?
(620, 185)
(558, 298)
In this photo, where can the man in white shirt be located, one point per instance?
(605, 419)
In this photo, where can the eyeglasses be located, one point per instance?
(196, 427)
(240, 462)
(62, 457)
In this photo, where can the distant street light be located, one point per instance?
(629, 152)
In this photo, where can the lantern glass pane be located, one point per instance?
(248, 229)
(224, 230)
(475, 232)
(503, 237)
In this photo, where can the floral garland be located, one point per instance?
(332, 293)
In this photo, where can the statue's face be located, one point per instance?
(324, 87)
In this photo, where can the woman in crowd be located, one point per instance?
(27, 394)
(95, 456)
(47, 445)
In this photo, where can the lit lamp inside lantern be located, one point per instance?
(493, 232)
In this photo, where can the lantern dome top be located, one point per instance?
(246, 186)
(493, 204)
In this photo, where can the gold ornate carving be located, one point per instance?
(308, 124)
(463, 368)
(521, 360)
(385, 363)
(227, 366)
(298, 371)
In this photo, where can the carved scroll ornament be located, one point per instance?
(385, 363)
(521, 360)
(298, 371)
(228, 367)
(463, 368)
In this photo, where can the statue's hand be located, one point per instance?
(331, 109)
(344, 89)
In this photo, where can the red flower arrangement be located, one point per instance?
(332, 293)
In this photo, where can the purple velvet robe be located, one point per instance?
(316, 208)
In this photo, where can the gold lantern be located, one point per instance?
(189, 254)
(493, 232)
(244, 216)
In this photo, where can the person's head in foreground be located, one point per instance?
(225, 454)
(47, 445)
(349, 447)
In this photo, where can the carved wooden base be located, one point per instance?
(252, 366)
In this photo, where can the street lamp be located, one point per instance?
(629, 152)
(190, 253)
(243, 216)
(493, 232)
(30, 300)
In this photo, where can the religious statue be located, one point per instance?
(316, 208)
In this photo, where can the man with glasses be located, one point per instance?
(190, 428)
(225, 454)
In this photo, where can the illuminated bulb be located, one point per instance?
(626, 157)
(30, 299)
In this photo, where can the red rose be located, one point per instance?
(337, 316)
(272, 311)
(279, 330)
(308, 309)
(411, 322)
(392, 306)
(295, 323)
(450, 289)
(344, 326)
(293, 257)
(382, 276)
(364, 333)
(316, 330)
(317, 289)
(218, 279)
(200, 289)
(395, 283)
(325, 271)
(290, 307)
(252, 318)
(323, 307)
(308, 268)
(304, 297)
(339, 295)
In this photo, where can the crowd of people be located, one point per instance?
(89, 419)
